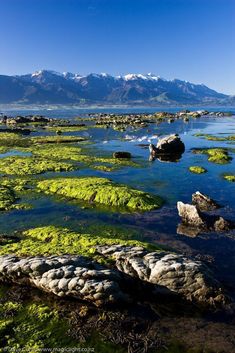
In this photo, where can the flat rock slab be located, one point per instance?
(73, 276)
(192, 279)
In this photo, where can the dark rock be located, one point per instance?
(204, 202)
(171, 144)
(121, 154)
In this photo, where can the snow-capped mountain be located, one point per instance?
(51, 87)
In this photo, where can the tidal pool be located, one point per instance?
(171, 180)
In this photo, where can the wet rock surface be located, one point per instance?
(171, 144)
(121, 154)
(72, 276)
(167, 271)
(168, 149)
(194, 221)
(204, 202)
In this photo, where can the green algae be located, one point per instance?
(16, 165)
(57, 152)
(229, 177)
(77, 154)
(215, 155)
(32, 327)
(51, 240)
(18, 184)
(197, 169)
(36, 324)
(71, 128)
(56, 139)
(104, 168)
(101, 191)
(7, 198)
(10, 140)
(210, 137)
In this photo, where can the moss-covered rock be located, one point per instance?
(197, 169)
(229, 177)
(57, 139)
(69, 128)
(101, 191)
(210, 137)
(10, 140)
(77, 154)
(7, 198)
(215, 155)
(31, 165)
(51, 240)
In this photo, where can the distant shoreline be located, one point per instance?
(113, 106)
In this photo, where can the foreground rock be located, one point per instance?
(178, 274)
(73, 276)
(136, 274)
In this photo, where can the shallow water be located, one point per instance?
(171, 180)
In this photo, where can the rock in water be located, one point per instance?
(121, 154)
(204, 202)
(190, 215)
(178, 274)
(171, 144)
(222, 225)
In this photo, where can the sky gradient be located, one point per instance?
(188, 39)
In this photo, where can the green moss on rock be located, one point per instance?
(101, 191)
(210, 137)
(215, 155)
(68, 128)
(229, 177)
(16, 165)
(57, 139)
(75, 153)
(197, 170)
(7, 198)
(51, 240)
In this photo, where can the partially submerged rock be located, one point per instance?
(169, 148)
(197, 169)
(17, 165)
(215, 155)
(204, 202)
(178, 274)
(7, 198)
(192, 217)
(101, 191)
(72, 276)
(171, 144)
(121, 154)
(229, 177)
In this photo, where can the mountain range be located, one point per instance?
(50, 87)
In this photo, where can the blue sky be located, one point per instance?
(187, 39)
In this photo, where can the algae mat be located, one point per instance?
(101, 191)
